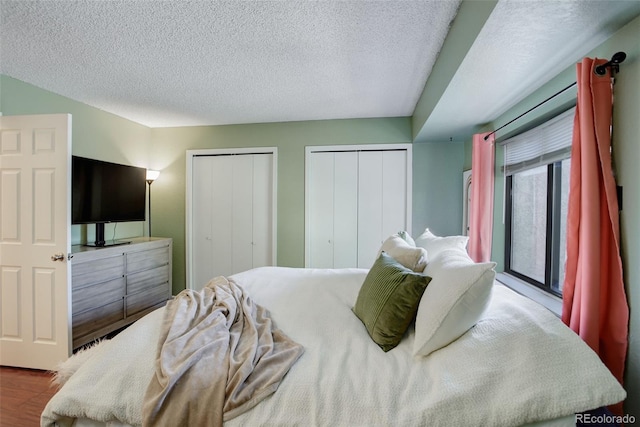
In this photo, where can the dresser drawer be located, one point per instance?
(137, 282)
(96, 271)
(116, 285)
(98, 294)
(96, 318)
(145, 260)
(147, 298)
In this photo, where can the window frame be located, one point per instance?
(552, 235)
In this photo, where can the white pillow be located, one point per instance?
(407, 237)
(436, 244)
(454, 301)
(409, 256)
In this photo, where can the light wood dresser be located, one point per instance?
(114, 286)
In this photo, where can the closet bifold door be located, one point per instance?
(232, 214)
(202, 197)
(382, 200)
(345, 209)
(262, 208)
(394, 196)
(356, 198)
(321, 183)
(333, 209)
(241, 215)
(212, 218)
(370, 203)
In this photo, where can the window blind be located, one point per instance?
(547, 143)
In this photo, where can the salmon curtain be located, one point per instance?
(594, 301)
(481, 209)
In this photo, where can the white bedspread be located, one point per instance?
(216, 346)
(519, 365)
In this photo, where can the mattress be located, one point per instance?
(518, 366)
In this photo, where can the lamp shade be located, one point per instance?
(152, 175)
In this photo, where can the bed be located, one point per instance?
(517, 365)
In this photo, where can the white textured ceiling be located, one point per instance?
(185, 63)
(522, 45)
(182, 63)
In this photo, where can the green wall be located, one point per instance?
(169, 156)
(626, 154)
(436, 175)
(437, 187)
(95, 134)
(98, 134)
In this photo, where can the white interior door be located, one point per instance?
(35, 236)
(345, 209)
(231, 219)
(394, 192)
(370, 206)
(218, 218)
(320, 210)
(355, 197)
(202, 227)
(242, 208)
(262, 210)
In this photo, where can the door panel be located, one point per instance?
(242, 208)
(231, 215)
(345, 210)
(355, 199)
(321, 208)
(44, 196)
(394, 192)
(11, 281)
(44, 286)
(35, 326)
(262, 209)
(369, 207)
(202, 244)
(220, 216)
(10, 229)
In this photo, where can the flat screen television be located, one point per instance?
(103, 192)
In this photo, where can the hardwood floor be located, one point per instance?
(23, 395)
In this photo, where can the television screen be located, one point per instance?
(106, 192)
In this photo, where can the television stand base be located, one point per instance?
(107, 243)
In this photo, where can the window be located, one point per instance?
(537, 165)
(536, 225)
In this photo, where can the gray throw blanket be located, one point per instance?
(218, 355)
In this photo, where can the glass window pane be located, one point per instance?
(529, 223)
(564, 197)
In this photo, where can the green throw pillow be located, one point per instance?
(388, 300)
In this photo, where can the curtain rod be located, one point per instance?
(600, 70)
